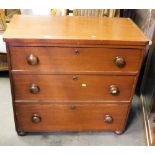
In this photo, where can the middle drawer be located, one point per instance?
(73, 87)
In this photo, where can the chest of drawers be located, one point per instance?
(73, 73)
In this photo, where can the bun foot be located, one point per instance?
(21, 133)
(118, 132)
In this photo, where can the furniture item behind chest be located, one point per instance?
(73, 73)
(3, 62)
(2, 20)
(148, 95)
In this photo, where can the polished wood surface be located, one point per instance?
(97, 30)
(73, 73)
(78, 60)
(65, 87)
(73, 117)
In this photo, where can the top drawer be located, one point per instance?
(63, 60)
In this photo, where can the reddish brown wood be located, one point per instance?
(63, 103)
(73, 117)
(64, 87)
(74, 30)
(60, 59)
(47, 43)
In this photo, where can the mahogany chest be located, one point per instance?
(73, 73)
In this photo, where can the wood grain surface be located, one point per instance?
(97, 30)
(65, 118)
(63, 87)
(65, 60)
(74, 89)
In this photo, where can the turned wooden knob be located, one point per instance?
(34, 89)
(120, 62)
(114, 90)
(32, 60)
(36, 118)
(108, 119)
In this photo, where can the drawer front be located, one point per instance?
(65, 117)
(73, 87)
(58, 60)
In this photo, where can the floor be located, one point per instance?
(134, 134)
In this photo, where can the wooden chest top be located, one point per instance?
(74, 30)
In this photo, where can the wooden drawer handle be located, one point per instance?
(36, 118)
(34, 89)
(114, 90)
(108, 119)
(32, 60)
(120, 62)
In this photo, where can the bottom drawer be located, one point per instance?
(68, 117)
